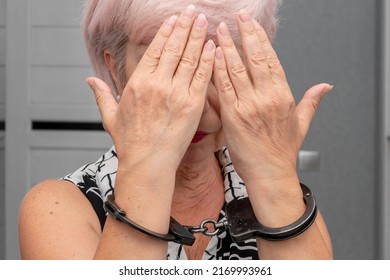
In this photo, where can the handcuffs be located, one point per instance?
(240, 221)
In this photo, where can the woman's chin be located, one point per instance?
(199, 152)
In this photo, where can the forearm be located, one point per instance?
(146, 197)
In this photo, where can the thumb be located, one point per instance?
(309, 104)
(105, 100)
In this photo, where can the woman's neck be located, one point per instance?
(197, 185)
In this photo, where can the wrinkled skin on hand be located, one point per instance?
(263, 127)
(161, 105)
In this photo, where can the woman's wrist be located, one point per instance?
(155, 164)
(276, 202)
(146, 196)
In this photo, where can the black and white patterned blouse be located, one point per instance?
(97, 181)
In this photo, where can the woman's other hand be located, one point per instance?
(263, 128)
(264, 131)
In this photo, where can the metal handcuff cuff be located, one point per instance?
(240, 222)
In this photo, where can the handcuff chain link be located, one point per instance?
(218, 227)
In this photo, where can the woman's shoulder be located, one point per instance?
(52, 210)
(51, 190)
(66, 208)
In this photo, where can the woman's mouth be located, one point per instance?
(199, 136)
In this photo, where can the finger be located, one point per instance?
(176, 43)
(152, 55)
(190, 59)
(105, 101)
(309, 104)
(203, 73)
(235, 67)
(226, 93)
(254, 51)
(276, 71)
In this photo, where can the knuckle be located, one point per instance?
(133, 85)
(196, 36)
(252, 33)
(153, 53)
(258, 59)
(264, 40)
(172, 49)
(183, 24)
(226, 86)
(278, 104)
(276, 67)
(155, 84)
(164, 33)
(254, 114)
(273, 62)
(220, 68)
(202, 76)
(238, 69)
(190, 60)
(207, 60)
(290, 101)
(272, 104)
(228, 44)
(144, 86)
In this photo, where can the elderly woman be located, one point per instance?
(205, 130)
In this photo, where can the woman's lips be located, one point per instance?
(199, 136)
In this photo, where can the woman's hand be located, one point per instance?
(264, 131)
(152, 127)
(161, 105)
(263, 128)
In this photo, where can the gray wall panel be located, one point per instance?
(2, 44)
(55, 13)
(2, 117)
(57, 46)
(66, 161)
(60, 85)
(336, 41)
(2, 86)
(2, 12)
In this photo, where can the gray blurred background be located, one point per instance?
(344, 159)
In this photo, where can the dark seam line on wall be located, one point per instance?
(84, 126)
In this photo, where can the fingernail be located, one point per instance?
(189, 11)
(219, 53)
(200, 21)
(256, 25)
(91, 82)
(223, 29)
(95, 84)
(328, 88)
(209, 45)
(244, 16)
(172, 20)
